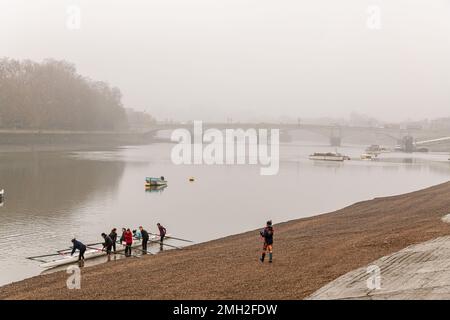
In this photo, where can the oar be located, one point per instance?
(43, 256)
(87, 245)
(115, 252)
(146, 251)
(94, 244)
(111, 251)
(154, 241)
(164, 244)
(169, 237)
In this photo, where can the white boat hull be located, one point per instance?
(89, 254)
(327, 158)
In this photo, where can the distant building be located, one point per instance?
(440, 124)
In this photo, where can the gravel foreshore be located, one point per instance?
(308, 253)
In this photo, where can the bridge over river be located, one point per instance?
(408, 137)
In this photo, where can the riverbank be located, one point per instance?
(31, 140)
(308, 254)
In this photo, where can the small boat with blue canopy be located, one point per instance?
(151, 181)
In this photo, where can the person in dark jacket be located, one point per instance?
(77, 245)
(107, 245)
(122, 237)
(162, 232)
(144, 235)
(267, 234)
(113, 236)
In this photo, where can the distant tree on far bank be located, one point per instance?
(52, 96)
(139, 120)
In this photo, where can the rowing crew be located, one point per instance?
(110, 241)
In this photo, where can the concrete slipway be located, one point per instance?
(420, 271)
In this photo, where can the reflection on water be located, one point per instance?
(51, 197)
(155, 188)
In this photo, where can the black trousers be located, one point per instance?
(114, 246)
(144, 245)
(81, 254)
(162, 238)
(128, 250)
(108, 249)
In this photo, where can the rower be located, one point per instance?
(107, 244)
(162, 234)
(122, 238)
(128, 237)
(267, 234)
(113, 236)
(137, 234)
(145, 237)
(77, 245)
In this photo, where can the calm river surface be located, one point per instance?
(53, 196)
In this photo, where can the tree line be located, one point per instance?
(52, 96)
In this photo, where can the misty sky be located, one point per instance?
(248, 59)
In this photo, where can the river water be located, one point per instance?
(54, 196)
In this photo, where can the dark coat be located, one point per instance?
(267, 234)
(113, 236)
(144, 235)
(108, 242)
(77, 245)
(162, 230)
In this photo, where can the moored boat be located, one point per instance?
(328, 156)
(151, 181)
(375, 148)
(368, 156)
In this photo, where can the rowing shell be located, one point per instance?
(90, 254)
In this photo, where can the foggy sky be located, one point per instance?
(248, 59)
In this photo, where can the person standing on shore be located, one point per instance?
(145, 238)
(113, 236)
(107, 244)
(267, 234)
(122, 237)
(128, 237)
(77, 245)
(137, 234)
(162, 233)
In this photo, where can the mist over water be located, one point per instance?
(53, 196)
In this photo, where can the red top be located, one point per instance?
(128, 238)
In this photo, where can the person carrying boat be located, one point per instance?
(107, 245)
(77, 245)
(137, 234)
(113, 236)
(122, 237)
(128, 238)
(162, 232)
(267, 234)
(145, 238)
